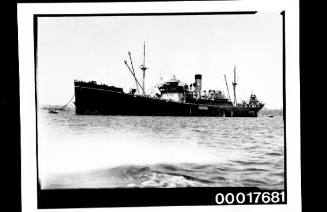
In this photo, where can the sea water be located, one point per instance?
(94, 151)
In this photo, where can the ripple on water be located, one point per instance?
(160, 151)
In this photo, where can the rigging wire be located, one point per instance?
(67, 103)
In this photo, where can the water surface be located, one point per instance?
(85, 151)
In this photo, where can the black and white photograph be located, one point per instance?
(162, 101)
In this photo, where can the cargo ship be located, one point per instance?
(174, 98)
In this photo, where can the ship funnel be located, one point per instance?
(198, 83)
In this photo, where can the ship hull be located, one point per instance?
(95, 101)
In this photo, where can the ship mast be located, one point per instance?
(234, 85)
(133, 71)
(227, 86)
(143, 68)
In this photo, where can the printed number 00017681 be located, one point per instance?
(273, 197)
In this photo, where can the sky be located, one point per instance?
(95, 47)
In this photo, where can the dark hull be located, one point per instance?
(96, 101)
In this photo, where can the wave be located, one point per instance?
(162, 175)
(158, 176)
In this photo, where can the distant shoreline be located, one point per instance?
(263, 112)
(274, 112)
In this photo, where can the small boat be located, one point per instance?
(53, 111)
(270, 116)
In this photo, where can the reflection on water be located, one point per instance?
(125, 151)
